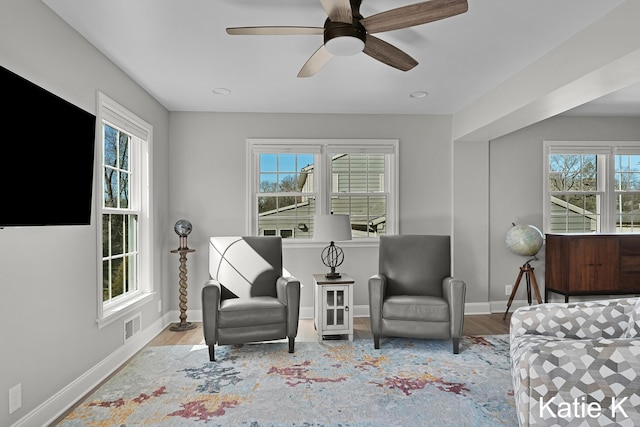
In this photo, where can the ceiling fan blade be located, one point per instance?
(388, 54)
(315, 62)
(274, 31)
(414, 14)
(338, 10)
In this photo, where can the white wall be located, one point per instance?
(471, 221)
(48, 274)
(208, 183)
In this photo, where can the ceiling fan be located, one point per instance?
(346, 32)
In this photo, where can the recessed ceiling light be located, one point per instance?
(221, 91)
(419, 94)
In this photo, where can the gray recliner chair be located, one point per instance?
(247, 298)
(413, 295)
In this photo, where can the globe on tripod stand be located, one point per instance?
(524, 240)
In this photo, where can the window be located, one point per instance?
(285, 193)
(292, 180)
(627, 192)
(124, 234)
(358, 189)
(592, 187)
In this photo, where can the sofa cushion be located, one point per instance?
(414, 307)
(239, 312)
(583, 320)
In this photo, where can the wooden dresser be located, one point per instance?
(592, 264)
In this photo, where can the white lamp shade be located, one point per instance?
(344, 46)
(331, 228)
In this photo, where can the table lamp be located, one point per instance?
(332, 228)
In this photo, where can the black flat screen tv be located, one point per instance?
(47, 157)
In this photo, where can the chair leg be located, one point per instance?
(456, 345)
(376, 341)
(212, 354)
(292, 341)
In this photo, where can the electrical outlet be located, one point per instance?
(159, 306)
(508, 289)
(15, 398)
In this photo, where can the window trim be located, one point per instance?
(116, 115)
(601, 148)
(322, 148)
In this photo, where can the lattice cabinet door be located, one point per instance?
(333, 313)
(335, 302)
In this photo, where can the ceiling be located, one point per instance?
(179, 52)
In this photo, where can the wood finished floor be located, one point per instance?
(477, 324)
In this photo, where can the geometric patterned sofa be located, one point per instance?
(577, 364)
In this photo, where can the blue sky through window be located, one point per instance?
(284, 162)
(278, 171)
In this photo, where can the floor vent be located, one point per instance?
(132, 326)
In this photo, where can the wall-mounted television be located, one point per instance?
(47, 156)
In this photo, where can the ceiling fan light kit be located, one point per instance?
(343, 39)
(347, 32)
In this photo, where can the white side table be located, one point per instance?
(332, 306)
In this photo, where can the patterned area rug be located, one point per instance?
(334, 383)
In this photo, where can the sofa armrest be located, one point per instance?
(552, 375)
(377, 285)
(288, 291)
(580, 320)
(210, 305)
(454, 291)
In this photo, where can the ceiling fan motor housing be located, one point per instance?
(343, 39)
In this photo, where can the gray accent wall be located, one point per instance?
(516, 186)
(210, 154)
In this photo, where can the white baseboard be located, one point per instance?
(58, 404)
(363, 310)
(306, 312)
(477, 308)
(501, 306)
